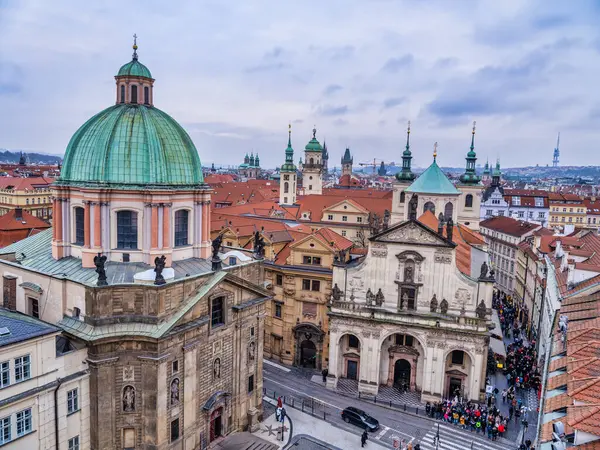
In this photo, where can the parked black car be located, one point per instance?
(360, 418)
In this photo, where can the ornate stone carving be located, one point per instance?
(462, 295)
(376, 334)
(175, 391)
(333, 329)
(288, 291)
(479, 350)
(433, 304)
(129, 399)
(128, 373)
(357, 283)
(444, 306)
(217, 345)
(366, 333)
(444, 257)
(443, 345)
(378, 250)
(411, 234)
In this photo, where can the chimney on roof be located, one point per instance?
(571, 273)
(450, 228)
(19, 214)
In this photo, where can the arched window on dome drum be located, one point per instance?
(134, 94)
(127, 235)
(79, 214)
(448, 210)
(312, 161)
(469, 201)
(286, 187)
(181, 227)
(146, 95)
(429, 206)
(122, 93)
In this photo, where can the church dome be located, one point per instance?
(134, 68)
(129, 145)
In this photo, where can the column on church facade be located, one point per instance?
(97, 225)
(370, 352)
(166, 241)
(87, 225)
(154, 227)
(334, 368)
(56, 213)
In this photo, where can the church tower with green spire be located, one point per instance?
(288, 173)
(471, 190)
(406, 175)
(470, 176)
(404, 178)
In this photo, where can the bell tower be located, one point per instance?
(312, 170)
(288, 173)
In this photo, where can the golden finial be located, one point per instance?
(474, 123)
(408, 130)
(135, 47)
(435, 146)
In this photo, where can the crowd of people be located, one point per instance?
(520, 367)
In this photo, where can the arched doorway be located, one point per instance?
(308, 354)
(308, 345)
(402, 373)
(458, 368)
(216, 424)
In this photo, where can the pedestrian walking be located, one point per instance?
(325, 373)
(363, 438)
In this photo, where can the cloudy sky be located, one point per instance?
(234, 73)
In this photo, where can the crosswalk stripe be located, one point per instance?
(457, 441)
(384, 430)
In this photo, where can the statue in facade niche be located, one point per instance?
(481, 310)
(404, 301)
(409, 274)
(251, 351)
(336, 293)
(129, 399)
(99, 262)
(217, 369)
(379, 298)
(433, 304)
(175, 391)
(159, 266)
(444, 306)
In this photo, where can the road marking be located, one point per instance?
(382, 432)
(280, 367)
(328, 404)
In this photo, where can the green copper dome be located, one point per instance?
(134, 68)
(314, 145)
(433, 181)
(129, 145)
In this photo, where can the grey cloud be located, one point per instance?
(393, 65)
(332, 110)
(267, 67)
(340, 122)
(393, 102)
(332, 89)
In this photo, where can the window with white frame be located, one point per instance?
(24, 422)
(74, 443)
(329, 216)
(344, 218)
(72, 401)
(4, 374)
(5, 430)
(22, 368)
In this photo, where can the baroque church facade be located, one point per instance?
(173, 338)
(416, 310)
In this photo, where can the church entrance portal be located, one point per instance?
(402, 373)
(216, 424)
(308, 354)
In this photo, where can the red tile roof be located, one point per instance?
(508, 225)
(28, 221)
(462, 236)
(20, 184)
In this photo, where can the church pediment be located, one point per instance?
(414, 233)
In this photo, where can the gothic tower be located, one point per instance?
(288, 180)
(347, 163)
(312, 170)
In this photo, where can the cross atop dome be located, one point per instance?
(135, 47)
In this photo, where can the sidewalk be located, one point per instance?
(307, 425)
